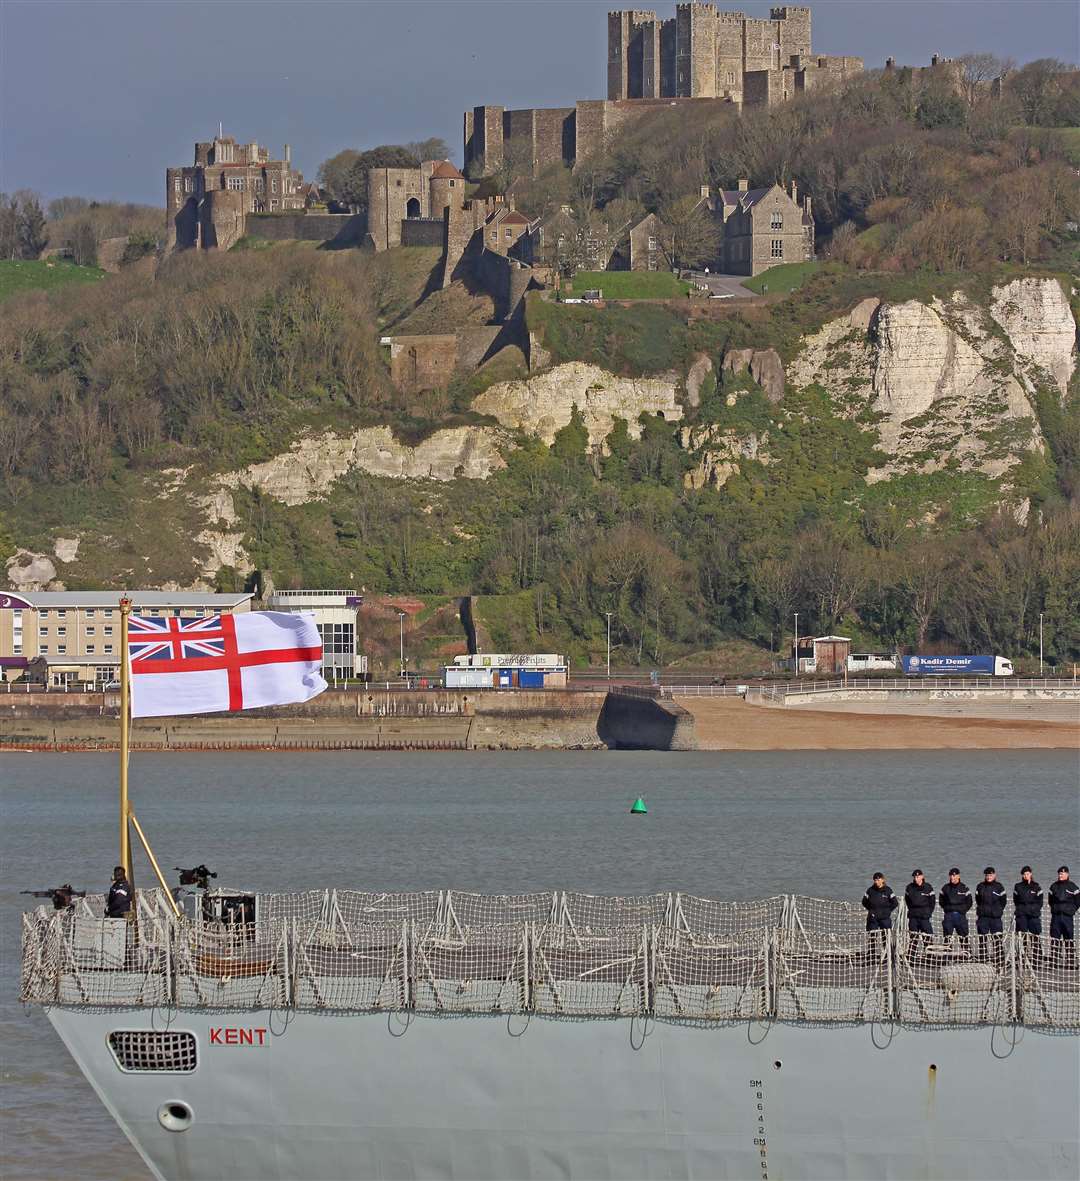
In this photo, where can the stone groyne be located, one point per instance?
(370, 718)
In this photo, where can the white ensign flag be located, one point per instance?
(227, 662)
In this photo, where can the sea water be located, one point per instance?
(725, 825)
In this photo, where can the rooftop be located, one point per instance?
(445, 170)
(146, 598)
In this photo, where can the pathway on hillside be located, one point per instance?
(723, 285)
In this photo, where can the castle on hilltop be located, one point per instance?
(700, 55)
(704, 52)
(208, 202)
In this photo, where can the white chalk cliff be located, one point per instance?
(952, 383)
(542, 405)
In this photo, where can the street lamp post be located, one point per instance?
(401, 641)
(1040, 643)
(796, 645)
(608, 614)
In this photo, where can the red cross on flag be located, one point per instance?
(225, 662)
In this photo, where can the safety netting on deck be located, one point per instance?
(674, 956)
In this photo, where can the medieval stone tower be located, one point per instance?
(701, 52)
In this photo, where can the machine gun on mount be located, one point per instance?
(62, 896)
(199, 877)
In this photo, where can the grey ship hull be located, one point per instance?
(330, 1096)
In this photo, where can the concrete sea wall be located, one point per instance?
(370, 718)
(631, 721)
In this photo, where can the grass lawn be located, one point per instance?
(630, 284)
(16, 276)
(783, 278)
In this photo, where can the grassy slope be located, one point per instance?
(447, 310)
(399, 279)
(784, 278)
(18, 275)
(630, 284)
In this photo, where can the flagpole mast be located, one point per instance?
(125, 738)
(127, 816)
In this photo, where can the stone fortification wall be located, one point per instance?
(423, 362)
(422, 231)
(506, 281)
(341, 229)
(429, 362)
(475, 344)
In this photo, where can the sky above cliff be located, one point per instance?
(98, 97)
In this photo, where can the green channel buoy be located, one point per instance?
(638, 808)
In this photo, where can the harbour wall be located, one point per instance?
(634, 721)
(369, 718)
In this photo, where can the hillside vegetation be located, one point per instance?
(121, 400)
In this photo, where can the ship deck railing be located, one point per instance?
(559, 953)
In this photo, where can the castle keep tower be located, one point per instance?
(705, 52)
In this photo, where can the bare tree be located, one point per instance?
(977, 71)
(689, 233)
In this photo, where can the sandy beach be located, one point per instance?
(728, 723)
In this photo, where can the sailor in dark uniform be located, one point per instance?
(1028, 903)
(989, 903)
(919, 896)
(1064, 903)
(955, 902)
(118, 904)
(879, 902)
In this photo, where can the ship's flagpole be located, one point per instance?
(127, 815)
(125, 740)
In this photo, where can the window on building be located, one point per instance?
(187, 184)
(260, 184)
(509, 234)
(236, 183)
(176, 183)
(652, 242)
(43, 632)
(778, 247)
(89, 612)
(90, 649)
(273, 184)
(107, 630)
(16, 649)
(107, 648)
(107, 612)
(777, 222)
(61, 631)
(494, 237)
(61, 615)
(61, 649)
(453, 183)
(273, 206)
(90, 630)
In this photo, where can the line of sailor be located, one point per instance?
(956, 900)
